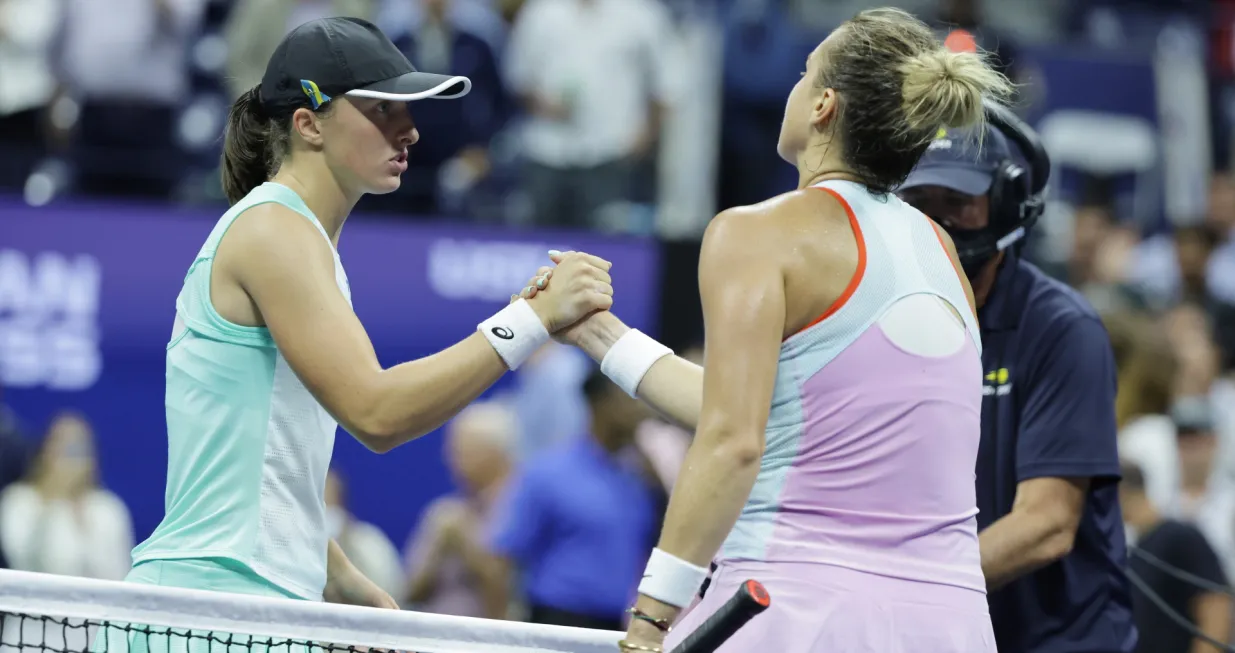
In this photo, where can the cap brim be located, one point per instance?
(416, 86)
(960, 179)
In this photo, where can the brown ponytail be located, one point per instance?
(253, 145)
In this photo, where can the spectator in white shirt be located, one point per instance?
(59, 520)
(27, 83)
(592, 75)
(126, 61)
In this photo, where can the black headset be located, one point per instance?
(1017, 196)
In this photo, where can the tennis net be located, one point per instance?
(40, 613)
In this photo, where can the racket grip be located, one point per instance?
(750, 599)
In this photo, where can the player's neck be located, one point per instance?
(321, 193)
(807, 178)
(819, 163)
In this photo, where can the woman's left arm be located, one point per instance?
(741, 284)
(346, 584)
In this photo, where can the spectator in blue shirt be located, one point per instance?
(1050, 529)
(579, 519)
(458, 153)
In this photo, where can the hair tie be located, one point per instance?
(255, 101)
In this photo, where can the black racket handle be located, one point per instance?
(750, 599)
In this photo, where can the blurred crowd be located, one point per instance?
(566, 123)
(1167, 305)
(127, 98)
(564, 126)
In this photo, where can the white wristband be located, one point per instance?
(516, 332)
(671, 580)
(630, 358)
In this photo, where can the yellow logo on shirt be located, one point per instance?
(996, 382)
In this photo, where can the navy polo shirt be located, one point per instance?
(580, 524)
(1048, 410)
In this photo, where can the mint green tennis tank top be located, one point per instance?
(248, 445)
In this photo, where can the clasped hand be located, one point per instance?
(581, 287)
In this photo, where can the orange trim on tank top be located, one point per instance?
(857, 274)
(955, 265)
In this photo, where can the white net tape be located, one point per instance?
(57, 614)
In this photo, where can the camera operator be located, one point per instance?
(1051, 532)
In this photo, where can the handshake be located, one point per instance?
(581, 288)
(569, 302)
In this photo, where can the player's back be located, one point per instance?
(875, 420)
(248, 445)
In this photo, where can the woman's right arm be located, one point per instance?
(282, 262)
(673, 386)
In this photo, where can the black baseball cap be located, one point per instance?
(960, 161)
(326, 58)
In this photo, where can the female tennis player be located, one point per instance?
(267, 357)
(837, 412)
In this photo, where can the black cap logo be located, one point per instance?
(503, 333)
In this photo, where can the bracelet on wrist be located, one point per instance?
(627, 646)
(663, 625)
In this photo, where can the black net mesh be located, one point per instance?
(24, 633)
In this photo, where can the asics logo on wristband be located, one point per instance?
(503, 333)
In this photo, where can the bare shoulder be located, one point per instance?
(271, 234)
(273, 226)
(787, 208)
(818, 205)
(777, 220)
